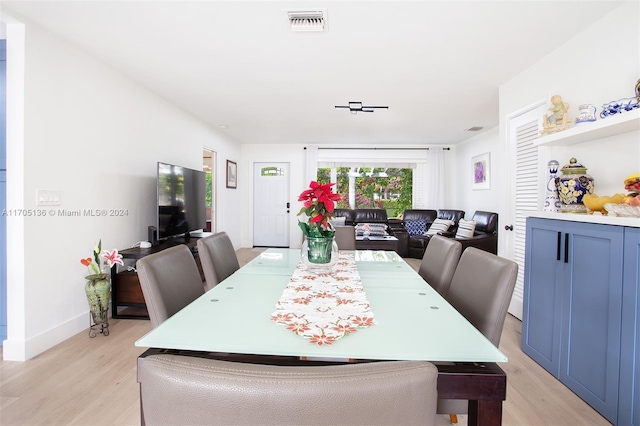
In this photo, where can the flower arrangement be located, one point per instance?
(319, 204)
(102, 259)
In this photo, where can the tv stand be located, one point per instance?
(127, 300)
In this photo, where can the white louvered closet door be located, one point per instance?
(523, 131)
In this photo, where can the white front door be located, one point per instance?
(271, 205)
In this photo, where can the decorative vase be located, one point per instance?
(572, 186)
(98, 291)
(587, 114)
(319, 254)
(551, 201)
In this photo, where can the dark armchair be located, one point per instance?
(485, 236)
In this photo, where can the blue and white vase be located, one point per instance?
(587, 114)
(551, 200)
(572, 185)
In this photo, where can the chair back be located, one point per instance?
(439, 262)
(481, 290)
(177, 389)
(170, 281)
(345, 237)
(486, 222)
(218, 258)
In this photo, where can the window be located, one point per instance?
(372, 187)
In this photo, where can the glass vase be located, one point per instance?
(319, 254)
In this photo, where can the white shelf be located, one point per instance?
(628, 121)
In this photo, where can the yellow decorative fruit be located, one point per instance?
(596, 203)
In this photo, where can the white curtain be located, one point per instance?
(311, 164)
(428, 181)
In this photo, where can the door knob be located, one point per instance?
(508, 227)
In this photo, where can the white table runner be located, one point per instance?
(324, 307)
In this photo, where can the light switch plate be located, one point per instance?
(47, 197)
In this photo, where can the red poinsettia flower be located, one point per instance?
(318, 205)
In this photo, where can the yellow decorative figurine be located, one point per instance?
(558, 119)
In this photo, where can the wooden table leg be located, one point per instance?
(485, 413)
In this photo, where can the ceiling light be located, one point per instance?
(356, 107)
(224, 126)
(475, 129)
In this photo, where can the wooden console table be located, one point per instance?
(127, 300)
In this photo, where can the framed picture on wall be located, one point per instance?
(232, 174)
(481, 171)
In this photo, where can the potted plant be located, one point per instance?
(98, 285)
(319, 204)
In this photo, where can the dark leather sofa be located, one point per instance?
(394, 226)
(417, 244)
(485, 235)
(355, 216)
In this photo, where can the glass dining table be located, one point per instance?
(412, 322)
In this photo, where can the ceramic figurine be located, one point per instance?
(638, 90)
(621, 105)
(587, 114)
(551, 201)
(558, 119)
(572, 186)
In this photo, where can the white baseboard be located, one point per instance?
(22, 350)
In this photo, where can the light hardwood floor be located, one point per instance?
(85, 381)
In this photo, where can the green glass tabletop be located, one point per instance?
(413, 322)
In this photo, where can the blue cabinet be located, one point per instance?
(629, 412)
(572, 308)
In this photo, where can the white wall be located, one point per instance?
(599, 65)
(465, 198)
(294, 154)
(95, 136)
(594, 67)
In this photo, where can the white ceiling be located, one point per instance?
(436, 64)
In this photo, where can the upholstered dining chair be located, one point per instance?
(170, 281)
(481, 290)
(439, 262)
(177, 389)
(345, 237)
(218, 258)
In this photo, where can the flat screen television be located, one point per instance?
(181, 201)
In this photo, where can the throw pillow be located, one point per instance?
(466, 228)
(416, 227)
(375, 229)
(338, 221)
(439, 226)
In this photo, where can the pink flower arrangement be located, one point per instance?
(109, 259)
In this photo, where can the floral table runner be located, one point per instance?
(325, 307)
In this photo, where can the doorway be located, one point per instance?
(271, 205)
(523, 130)
(208, 166)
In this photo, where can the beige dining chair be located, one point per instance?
(439, 262)
(345, 237)
(217, 257)
(177, 389)
(170, 281)
(481, 290)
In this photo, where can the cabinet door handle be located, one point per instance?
(566, 248)
(558, 246)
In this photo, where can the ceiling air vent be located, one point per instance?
(307, 20)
